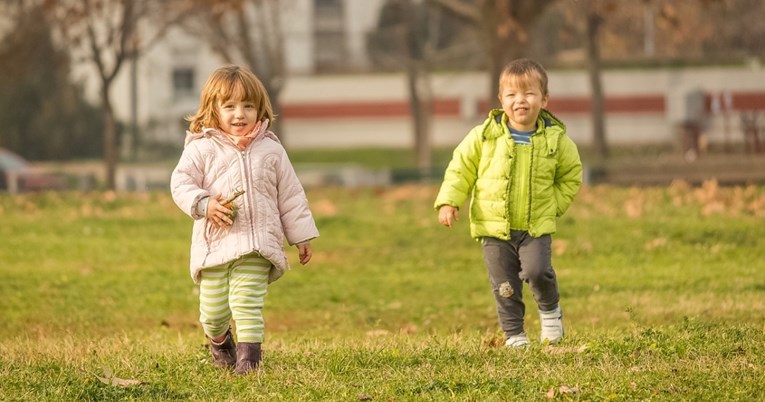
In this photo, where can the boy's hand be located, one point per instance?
(217, 213)
(304, 249)
(448, 214)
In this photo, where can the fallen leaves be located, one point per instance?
(715, 200)
(408, 192)
(707, 199)
(635, 204)
(324, 207)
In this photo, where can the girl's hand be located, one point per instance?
(217, 213)
(304, 249)
(447, 214)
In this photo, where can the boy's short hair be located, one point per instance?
(524, 71)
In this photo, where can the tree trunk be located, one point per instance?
(495, 50)
(594, 71)
(420, 105)
(110, 140)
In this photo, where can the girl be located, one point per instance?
(237, 246)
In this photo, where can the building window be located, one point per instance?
(331, 52)
(330, 6)
(183, 82)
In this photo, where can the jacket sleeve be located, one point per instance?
(186, 182)
(568, 176)
(462, 171)
(296, 217)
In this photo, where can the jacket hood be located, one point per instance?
(494, 129)
(547, 123)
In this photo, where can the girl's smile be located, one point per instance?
(237, 117)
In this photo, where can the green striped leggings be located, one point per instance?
(234, 290)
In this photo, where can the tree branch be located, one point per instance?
(466, 12)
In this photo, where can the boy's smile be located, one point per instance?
(522, 104)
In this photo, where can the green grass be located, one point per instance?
(663, 292)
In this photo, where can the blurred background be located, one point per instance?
(93, 93)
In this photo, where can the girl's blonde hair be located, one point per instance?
(524, 73)
(229, 83)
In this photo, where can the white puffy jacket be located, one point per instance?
(274, 206)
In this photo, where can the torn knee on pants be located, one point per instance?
(505, 290)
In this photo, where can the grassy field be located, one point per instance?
(663, 292)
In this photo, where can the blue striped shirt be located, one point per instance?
(521, 137)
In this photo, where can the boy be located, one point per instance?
(523, 172)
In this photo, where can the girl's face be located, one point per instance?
(237, 117)
(522, 102)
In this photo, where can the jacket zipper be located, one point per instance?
(508, 191)
(531, 181)
(250, 198)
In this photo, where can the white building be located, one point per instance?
(319, 35)
(642, 106)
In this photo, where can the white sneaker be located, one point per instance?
(552, 325)
(517, 341)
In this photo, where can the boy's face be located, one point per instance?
(237, 117)
(522, 100)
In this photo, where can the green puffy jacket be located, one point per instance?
(484, 162)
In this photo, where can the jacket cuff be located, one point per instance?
(199, 210)
(308, 240)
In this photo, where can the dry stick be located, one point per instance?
(231, 199)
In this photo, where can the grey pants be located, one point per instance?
(523, 258)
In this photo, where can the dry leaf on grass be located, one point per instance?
(407, 192)
(377, 333)
(557, 350)
(324, 207)
(635, 204)
(655, 243)
(110, 379)
(492, 340)
(559, 247)
(565, 389)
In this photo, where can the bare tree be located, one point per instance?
(43, 114)
(249, 32)
(418, 79)
(106, 33)
(504, 27)
(407, 38)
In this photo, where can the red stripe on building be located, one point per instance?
(451, 107)
(613, 104)
(749, 101)
(335, 110)
(739, 101)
